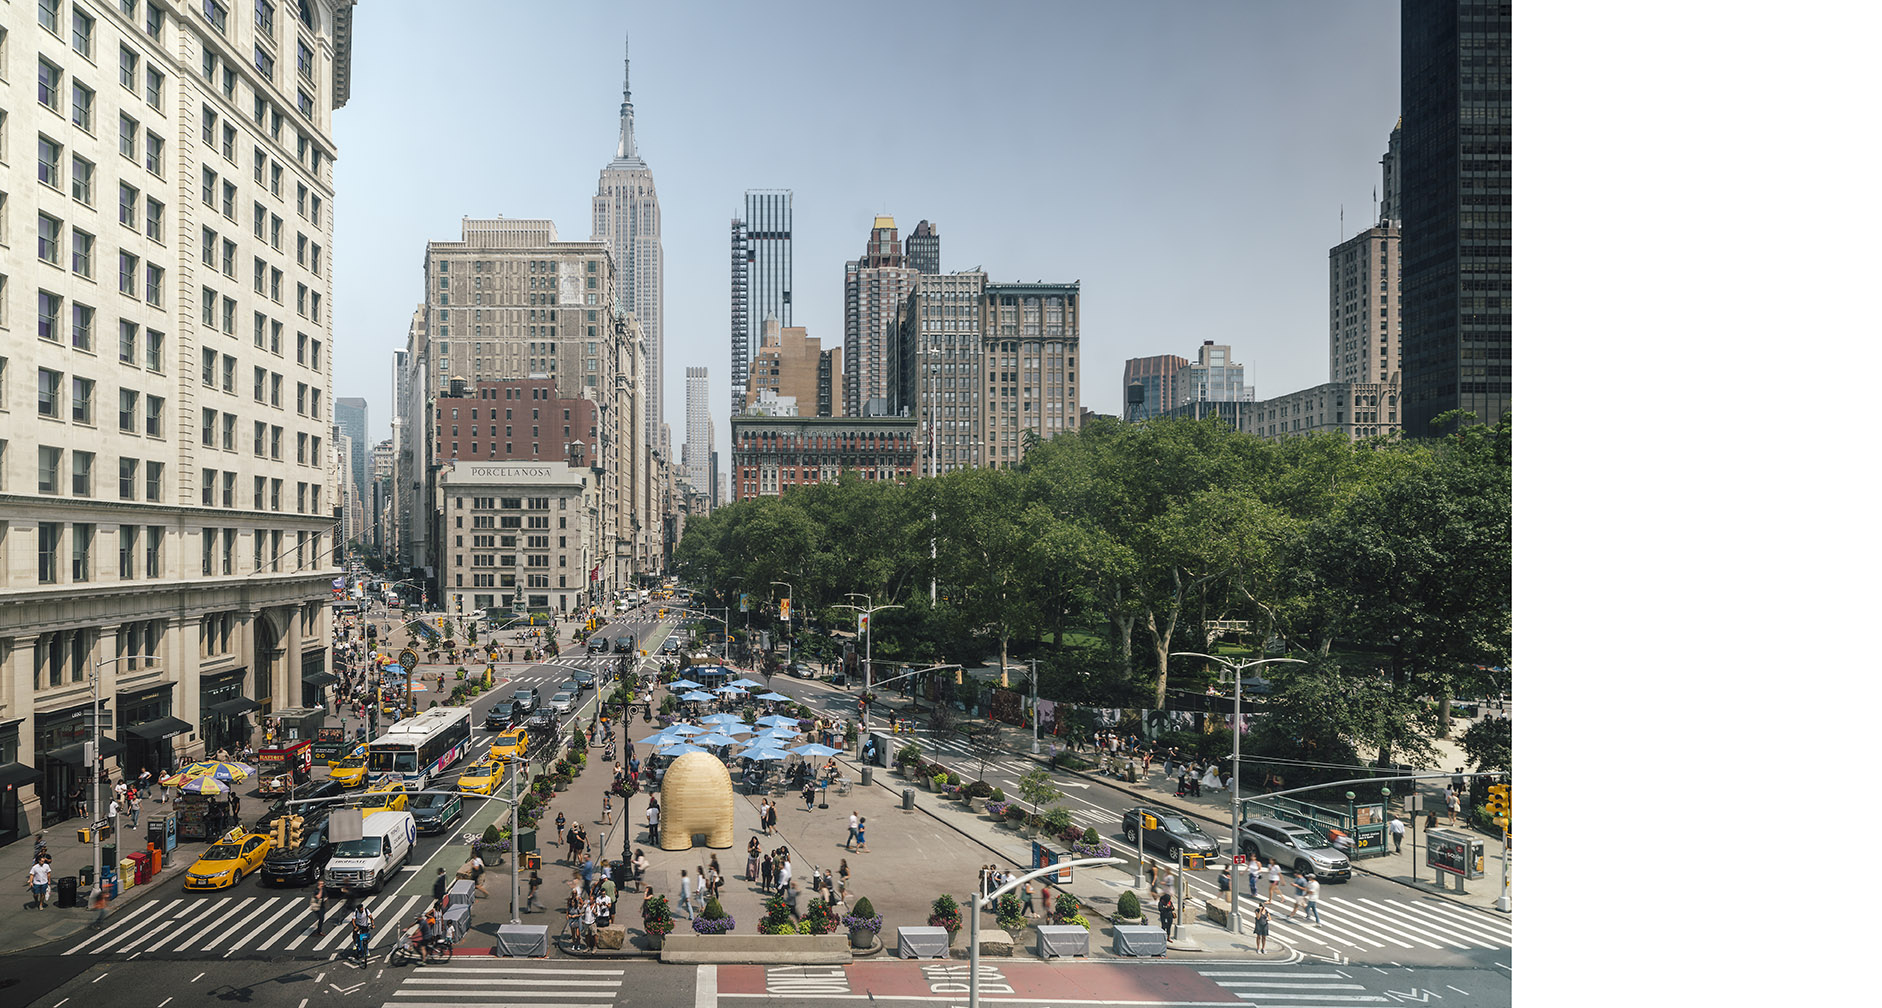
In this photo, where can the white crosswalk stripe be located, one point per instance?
(1369, 924)
(523, 983)
(257, 920)
(1292, 988)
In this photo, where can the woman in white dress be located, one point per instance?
(1213, 779)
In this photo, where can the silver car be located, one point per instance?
(562, 702)
(1296, 847)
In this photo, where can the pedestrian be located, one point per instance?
(751, 860)
(607, 809)
(477, 874)
(862, 841)
(1261, 928)
(810, 794)
(439, 886)
(1025, 898)
(319, 907)
(1397, 826)
(784, 873)
(561, 823)
(791, 896)
(843, 878)
(1166, 915)
(1274, 879)
(1300, 895)
(39, 876)
(851, 842)
(1223, 884)
(112, 815)
(136, 802)
(767, 871)
(1313, 899)
(535, 883)
(588, 872)
(98, 905)
(653, 822)
(640, 864)
(1451, 802)
(686, 893)
(575, 843)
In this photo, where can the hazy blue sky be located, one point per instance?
(1187, 161)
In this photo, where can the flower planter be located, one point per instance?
(862, 939)
(654, 941)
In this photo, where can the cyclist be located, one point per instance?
(362, 931)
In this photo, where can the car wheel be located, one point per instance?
(1304, 868)
(1130, 833)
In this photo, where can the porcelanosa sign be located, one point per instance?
(515, 472)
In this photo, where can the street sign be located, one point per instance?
(1241, 859)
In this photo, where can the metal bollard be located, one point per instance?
(908, 799)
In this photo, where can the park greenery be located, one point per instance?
(1383, 564)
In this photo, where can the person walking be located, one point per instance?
(135, 804)
(751, 860)
(686, 893)
(99, 905)
(784, 874)
(607, 809)
(1451, 803)
(850, 843)
(1300, 895)
(318, 905)
(1025, 899)
(1261, 928)
(535, 883)
(653, 822)
(477, 875)
(561, 823)
(1397, 826)
(1312, 896)
(843, 878)
(640, 864)
(588, 872)
(767, 871)
(1166, 915)
(810, 795)
(439, 886)
(1274, 879)
(575, 843)
(39, 876)
(862, 840)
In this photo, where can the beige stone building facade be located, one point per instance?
(167, 490)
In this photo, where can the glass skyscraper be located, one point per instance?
(761, 279)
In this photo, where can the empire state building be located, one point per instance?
(627, 218)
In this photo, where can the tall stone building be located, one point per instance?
(874, 286)
(791, 363)
(761, 278)
(167, 192)
(696, 453)
(350, 415)
(1455, 178)
(936, 365)
(1030, 360)
(1363, 318)
(1213, 376)
(627, 220)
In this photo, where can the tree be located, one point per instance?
(1037, 788)
(1488, 743)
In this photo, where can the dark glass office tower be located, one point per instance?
(1454, 164)
(924, 248)
(761, 279)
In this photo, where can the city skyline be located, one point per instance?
(1246, 130)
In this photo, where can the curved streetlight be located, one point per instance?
(1235, 764)
(973, 923)
(789, 651)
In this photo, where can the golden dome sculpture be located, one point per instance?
(696, 797)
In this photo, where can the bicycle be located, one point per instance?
(441, 949)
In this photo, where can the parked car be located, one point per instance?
(502, 717)
(434, 813)
(526, 700)
(1296, 847)
(1169, 832)
(799, 670)
(562, 702)
(300, 865)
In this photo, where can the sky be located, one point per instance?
(1188, 162)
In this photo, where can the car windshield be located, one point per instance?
(423, 802)
(363, 847)
(352, 763)
(502, 708)
(1178, 824)
(223, 852)
(1308, 841)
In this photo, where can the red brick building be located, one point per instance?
(773, 454)
(518, 420)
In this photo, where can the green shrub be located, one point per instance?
(1091, 836)
(1129, 907)
(1059, 818)
(954, 779)
(1064, 907)
(864, 908)
(492, 834)
(1007, 911)
(945, 913)
(999, 795)
(979, 789)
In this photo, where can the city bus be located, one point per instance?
(420, 748)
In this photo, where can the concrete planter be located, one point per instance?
(861, 938)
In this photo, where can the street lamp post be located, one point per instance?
(869, 641)
(789, 651)
(1235, 764)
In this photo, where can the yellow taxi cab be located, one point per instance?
(482, 777)
(349, 770)
(346, 753)
(511, 744)
(389, 796)
(238, 853)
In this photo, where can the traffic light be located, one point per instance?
(1499, 804)
(295, 832)
(441, 622)
(281, 833)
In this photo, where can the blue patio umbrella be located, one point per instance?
(680, 684)
(662, 737)
(746, 682)
(777, 719)
(723, 717)
(729, 689)
(697, 695)
(814, 750)
(678, 749)
(682, 728)
(764, 753)
(716, 738)
(773, 696)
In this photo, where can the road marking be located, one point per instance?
(114, 926)
(1463, 992)
(99, 977)
(199, 976)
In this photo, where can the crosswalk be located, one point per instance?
(199, 926)
(1370, 925)
(518, 983)
(1270, 985)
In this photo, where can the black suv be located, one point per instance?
(434, 813)
(1169, 832)
(325, 787)
(300, 865)
(502, 717)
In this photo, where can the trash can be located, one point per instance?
(140, 864)
(68, 891)
(869, 775)
(908, 798)
(110, 854)
(127, 873)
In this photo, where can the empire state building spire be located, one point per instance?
(625, 151)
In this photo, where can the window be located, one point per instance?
(49, 15)
(264, 62)
(153, 350)
(274, 179)
(228, 200)
(228, 143)
(228, 380)
(261, 384)
(50, 77)
(153, 551)
(153, 22)
(82, 171)
(127, 410)
(81, 253)
(82, 534)
(49, 533)
(127, 206)
(127, 552)
(127, 68)
(153, 481)
(261, 438)
(261, 277)
(49, 461)
(274, 443)
(208, 357)
(82, 100)
(153, 88)
(153, 219)
(51, 153)
(153, 416)
(228, 432)
(304, 59)
(209, 187)
(217, 13)
(49, 309)
(82, 26)
(82, 399)
(305, 104)
(51, 384)
(49, 232)
(127, 274)
(81, 473)
(153, 153)
(264, 16)
(127, 478)
(153, 284)
(82, 318)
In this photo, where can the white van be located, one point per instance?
(384, 845)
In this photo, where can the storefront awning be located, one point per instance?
(74, 754)
(230, 708)
(14, 774)
(161, 728)
(318, 679)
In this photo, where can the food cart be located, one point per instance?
(284, 766)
